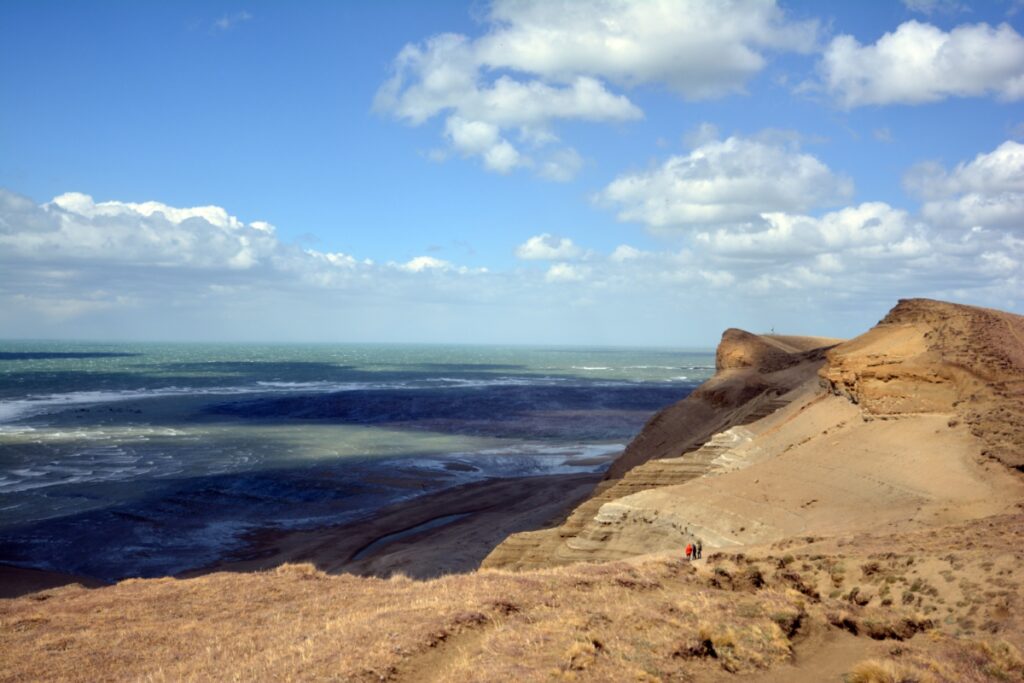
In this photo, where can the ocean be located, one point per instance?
(122, 459)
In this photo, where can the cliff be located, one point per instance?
(897, 427)
(929, 356)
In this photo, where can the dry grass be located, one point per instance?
(656, 619)
(875, 671)
(944, 659)
(297, 623)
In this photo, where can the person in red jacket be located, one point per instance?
(689, 550)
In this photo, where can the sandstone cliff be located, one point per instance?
(928, 356)
(755, 375)
(900, 427)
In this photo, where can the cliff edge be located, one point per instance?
(928, 356)
(755, 375)
(906, 426)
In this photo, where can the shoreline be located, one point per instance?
(444, 532)
(450, 531)
(17, 581)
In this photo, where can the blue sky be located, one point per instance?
(524, 172)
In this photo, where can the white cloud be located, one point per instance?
(75, 267)
(547, 248)
(699, 49)
(566, 272)
(964, 244)
(991, 173)
(419, 264)
(75, 232)
(871, 229)
(483, 139)
(74, 227)
(542, 61)
(624, 252)
(988, 191)
(919, 63)
(977, 209)
(727, 181)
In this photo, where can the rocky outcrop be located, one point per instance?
(752, 373)
(755, 376)
(795, 434)
(934, 357)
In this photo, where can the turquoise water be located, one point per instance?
(180, 448)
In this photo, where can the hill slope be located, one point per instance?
(896, 428)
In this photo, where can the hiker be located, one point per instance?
(689, 550)
(698, 548)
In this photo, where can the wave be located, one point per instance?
(16, 409)
(522, 460)
(12, 410)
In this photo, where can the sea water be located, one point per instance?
(125, 459)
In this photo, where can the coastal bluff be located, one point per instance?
(906, 426)
(861, 505)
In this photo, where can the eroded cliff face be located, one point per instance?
(798, 436)
(752, 373)
(755, 376)
(929, 356)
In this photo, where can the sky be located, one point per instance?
(505, 172)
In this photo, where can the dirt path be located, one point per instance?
(823, 657)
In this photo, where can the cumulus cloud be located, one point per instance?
(725, 181)
(483, 139)
(872, 229)
(539, 62)
(963, 244)
(74, 227)
(986, 192)
(547, 248)
(419, 264)
(73, 232)
(700, 49)
(919, 63)
(169, 271)
(996, 172)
